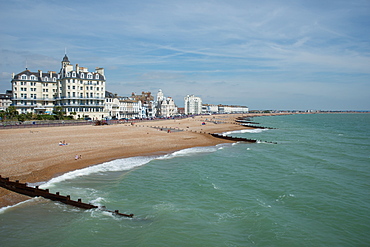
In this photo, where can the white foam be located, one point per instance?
(191, 151)
(215, 187)
(114, 165)
(254, 131)
(4, 209)
(100, 201)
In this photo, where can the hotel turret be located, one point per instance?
(81, 92)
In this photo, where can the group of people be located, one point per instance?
(62, 143)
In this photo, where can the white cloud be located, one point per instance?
(203, 42)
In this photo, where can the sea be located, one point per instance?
(306, 182)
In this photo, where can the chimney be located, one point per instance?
(77, 68)
(99, 70)
(40, 73)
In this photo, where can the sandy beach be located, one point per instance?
(34, 154)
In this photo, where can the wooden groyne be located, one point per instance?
(257, 126)
(238, 139)
(24, 189)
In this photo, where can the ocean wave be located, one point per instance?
(192, 151)
(4, 209)
(111, 166)
(254, 131)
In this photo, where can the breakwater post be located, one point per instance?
(239, 139)
(24, 189)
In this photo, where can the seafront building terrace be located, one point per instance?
(82, 94)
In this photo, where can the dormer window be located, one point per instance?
(33, 77)
(73, 74)
(24, 77)
(82, 75)
(89, 76)
(45, 79)
(97, 76)
(68, 74)
(54, 79)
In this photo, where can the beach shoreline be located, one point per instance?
(38, 155)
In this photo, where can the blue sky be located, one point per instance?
(287, 54)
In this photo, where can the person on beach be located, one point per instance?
(76, 157)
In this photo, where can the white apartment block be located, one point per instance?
(232, 109)
(34, 92)
(5, 100)
(165, 106)
(209, 109)
(117, 107)
(193, 105)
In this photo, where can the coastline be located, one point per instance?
(34, 155)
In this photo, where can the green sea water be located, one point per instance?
(312, 188)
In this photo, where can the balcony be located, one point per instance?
(82, 98)
(80, 105)
(34, 99)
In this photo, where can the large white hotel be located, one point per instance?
(79, 91)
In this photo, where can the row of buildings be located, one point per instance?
(82, 94)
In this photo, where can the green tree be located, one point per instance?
(11, 113)
(21, 117)
(59, 113)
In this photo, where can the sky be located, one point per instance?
(267, 54)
